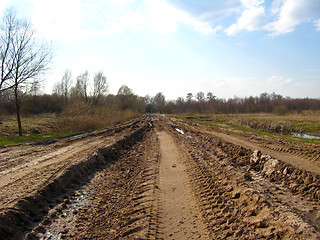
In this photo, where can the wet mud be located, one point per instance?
(156, 178)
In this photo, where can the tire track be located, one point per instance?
(178, 213)
(232, 207)
(207, 187)
(31, 208)
(120, 204)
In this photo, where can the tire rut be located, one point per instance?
(231, 206)
(208, 188)
(118, 201)
(178, 212)
(31, 208)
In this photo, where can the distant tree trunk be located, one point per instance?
(100, 87)
(66, 84)
(17, 103)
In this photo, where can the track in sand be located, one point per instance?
(156, 178)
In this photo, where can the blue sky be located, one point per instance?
(228, 47)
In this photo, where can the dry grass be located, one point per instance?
(42, 124)
(83, 117)
(75, 118)
(308, 122)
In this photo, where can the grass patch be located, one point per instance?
(75, 119)
(16, 140)
(262, 124)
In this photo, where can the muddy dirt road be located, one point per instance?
(158, 178)
(178, 209)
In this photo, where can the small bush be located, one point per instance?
(81, 117)
(281, 110)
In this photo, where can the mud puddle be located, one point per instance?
(305, 135)
(53, 229)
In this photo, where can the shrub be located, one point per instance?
(281, 110)
(81, 117)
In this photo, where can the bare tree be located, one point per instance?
(62, 88)
(160, 102)
(210, 96)
(26, 58)
(57, 90)
(66, 82)
(35, 86)
(100, 86)
(81, 88)
(200, 96)
(124, 97)
(7, 30)
(124, 90)
(189, 97)
(149, 104)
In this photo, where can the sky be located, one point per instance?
(227, 47)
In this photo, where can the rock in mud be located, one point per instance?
(255, 157)
(270, 166)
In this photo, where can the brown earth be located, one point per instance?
(159, 178)
(179, 216)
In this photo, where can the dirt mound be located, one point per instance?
(298, 181)
(118, 203)
(30, 209)
(238, 203)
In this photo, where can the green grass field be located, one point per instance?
(266, 124)
(39, 128)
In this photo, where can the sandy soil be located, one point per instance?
(179, 215)
(290, 152)
(24, 170)
(159, 178)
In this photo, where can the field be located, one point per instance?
(269, 124)
(167, 177)
(49, 126)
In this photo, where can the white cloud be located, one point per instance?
(161, 17)
(165, 18)
(251, 3)
(251, 19)
(134, 20)
(292, 13)
(79, 18)
(210, 11)
(200, 26)
(121, 2)
(276, 6)
(217, 29)
(317, 24)
(57, 18)
(287, 14)
(279, 81)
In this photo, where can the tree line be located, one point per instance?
(264, 103)
(94, 92)
(24, 59)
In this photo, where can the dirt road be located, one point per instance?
(179, 215)
(157, 178)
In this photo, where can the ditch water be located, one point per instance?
(306, 135)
